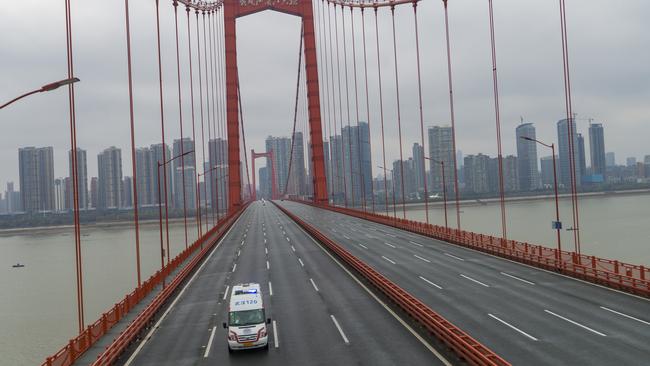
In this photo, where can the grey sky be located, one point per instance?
(610, 58)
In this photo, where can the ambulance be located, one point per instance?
(247, 324)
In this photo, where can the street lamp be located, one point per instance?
(444, 187)
(44, 88)
(557, 225)
(392, 175)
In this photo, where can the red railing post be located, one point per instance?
(616, 265)
(642, 272)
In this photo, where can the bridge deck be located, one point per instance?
(309, 290)
(526, 315)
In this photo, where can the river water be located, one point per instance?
(38, 302)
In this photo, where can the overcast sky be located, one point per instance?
(610, 64)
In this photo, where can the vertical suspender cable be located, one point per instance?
(222, 94)
(216, 93)
(241, 120)
(326, 95)
(347, 97)
(207, 103)
(452, 116)
(213, 77)
(417, 52)
(381, 111)
(365, 71)
(295, 112)
(133, 160)
(334, 134)
(75, 180)
(399, 112)
(497, 113)
(570, 123)
(162, 127)
(205, 183)
(180, 118)
(196, 170)
(362, 180)
(338, 70)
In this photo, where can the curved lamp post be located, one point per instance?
(44, 88)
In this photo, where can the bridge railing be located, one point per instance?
(611, 273)
(77, 346)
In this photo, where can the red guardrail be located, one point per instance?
(460, 342)
(612, 273)
(76, 347)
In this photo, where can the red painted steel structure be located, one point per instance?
(461, 343)
(234, 9)
(274, 187)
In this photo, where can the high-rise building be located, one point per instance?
(564, 153)
(476, 173)
(582, 157)
(82, 177)
(631, 161)
(13, 199)
(511, 173)
(157, 156)
(94, 193)
(527, 157)
(264, 179)
(356, 151)
(408, 179)
(109, 166)
(183, 167)
(59, 195)
(36, 168)
(146, 174)
(337, 167)
(298, 175)
(127, 192)
(419, 167)
(597, 149)
(610, 159)
(547, 172)
(441, 149)
(281, 147)
(218, 173)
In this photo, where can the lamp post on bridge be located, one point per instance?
(444, 187)
(557, 224)
(392, 179)
(44, 88)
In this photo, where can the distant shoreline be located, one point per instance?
(107, 224)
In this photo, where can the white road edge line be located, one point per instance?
(314, 284)
(275, 335)
(429, 282)
(453, 256)
(389, 310)
(390, 260)
(225, 294)
(513, 327)
(180, 294)
(270, 289)
(625, 315)
(576, 323)
(207, 348)
(517, 278)
(345, 339)
(421, 258)
(473, 280)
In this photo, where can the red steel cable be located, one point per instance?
(329, 25)
(205, 183)
(327, 127)
(75, 184)
(338, 70)
(216, 96)
(399, 112)
(207, 103)
(222, 94)
(331, 111)
(213, 85)
(356, 104)
(241, 120)
(295, 113)
(365, 71)
(133, 160)
(347, 98)
(162, 127)
(452, 115)
(180, 117)
(497, 113)
(417, 52)
(196, 171)
(381, 111)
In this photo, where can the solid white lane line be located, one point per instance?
(363, 246)
(513, 327)
(390, 245)
(267, 265)
(414, 243)
(225, 294)
(430, 283)
(234, 267)
(393, 262)
(424, 259)
(473, 280)
(178, 297)
(345, 339)
(275, 335)
(576, 323)
(453, 256)
(347, 237)
(517, 278)
(207, 348)
(625, 315)
(270, 289)
(301, 263)
(314, 284)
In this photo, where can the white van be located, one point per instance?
(246, 325)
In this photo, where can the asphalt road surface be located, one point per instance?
(526, 315)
